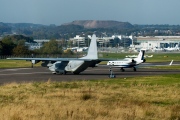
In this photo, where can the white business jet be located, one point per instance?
(128, 62)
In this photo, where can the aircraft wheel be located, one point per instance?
(58, 73)
(134, 69)
(64, 73)
(75, 73)
(112, 76)
(122, 69)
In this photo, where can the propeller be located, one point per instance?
(144, 60)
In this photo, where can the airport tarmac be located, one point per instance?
(40, 74)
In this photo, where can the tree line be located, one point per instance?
(15, 45)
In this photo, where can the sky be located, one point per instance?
(59, 12)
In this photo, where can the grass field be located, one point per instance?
(137, 98)
(15, 63)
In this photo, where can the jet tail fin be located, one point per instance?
(92, 50)
(141, 55)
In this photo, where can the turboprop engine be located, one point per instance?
(58, 67)
(46, 63)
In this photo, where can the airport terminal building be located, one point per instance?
(157, 42)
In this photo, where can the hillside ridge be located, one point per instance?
(100, 24)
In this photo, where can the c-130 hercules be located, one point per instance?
(73, 65)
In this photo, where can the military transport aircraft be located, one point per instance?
(128, 62)
(74, 65)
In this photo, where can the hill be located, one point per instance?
(100, 24)
(86, 27)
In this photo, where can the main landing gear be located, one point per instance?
(60, 72)
(112, 75)
(122, 69)
(134, 69)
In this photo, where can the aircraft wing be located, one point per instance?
(59, 59)
(50, 59)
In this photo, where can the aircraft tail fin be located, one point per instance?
(92, 50)
(177, 47)
(171, 62)
(141, 55)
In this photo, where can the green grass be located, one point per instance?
(171, 79)
(15, 63)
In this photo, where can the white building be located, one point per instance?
(79, 41)
(157, 42)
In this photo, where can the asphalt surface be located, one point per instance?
(39, 74)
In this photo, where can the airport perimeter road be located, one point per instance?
(38, 74)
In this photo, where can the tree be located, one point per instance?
(52, 47)
(21, 42)
(7, 46)
(21, 50)
(16, 38)
(70, 43)
(1, 48)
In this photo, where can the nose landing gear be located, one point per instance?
(112, 75)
